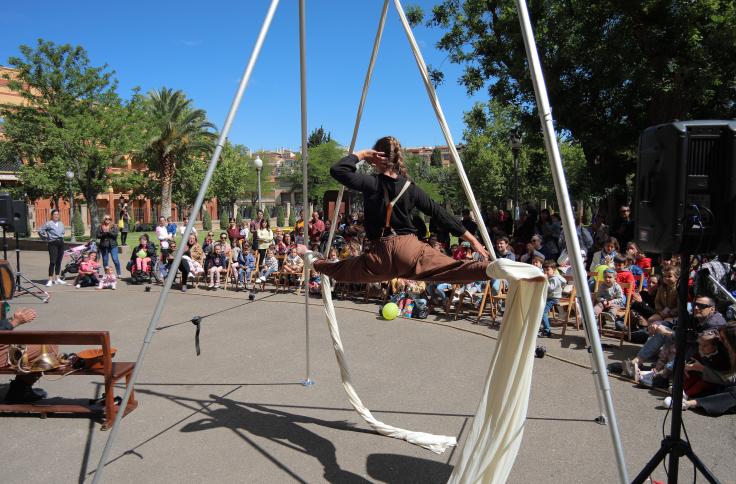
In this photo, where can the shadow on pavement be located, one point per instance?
(246, 420)
(405, 469)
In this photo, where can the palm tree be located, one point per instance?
(179, 133)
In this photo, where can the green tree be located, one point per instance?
(78, 223)
(71, 119)
(435, 158)
(206, 221)
(317, 137)
(223, 219)
(292, 218)
(321, 158)
(280, 216)
(232, 177)
(612, 68)
(177, 134)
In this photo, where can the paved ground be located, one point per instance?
(237, 412)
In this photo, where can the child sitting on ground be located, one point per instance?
(555, 283)
(87, 276)
(269, 265)
(714, 355)
(609, 297)
(109, 280)
(666, 302)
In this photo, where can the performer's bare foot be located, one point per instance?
(308, 256)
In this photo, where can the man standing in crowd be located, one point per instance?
(315, 229)
(624, 230)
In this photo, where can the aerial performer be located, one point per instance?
(395, 251)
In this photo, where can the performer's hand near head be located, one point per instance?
(373, 158)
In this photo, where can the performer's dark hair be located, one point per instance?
(391, 147)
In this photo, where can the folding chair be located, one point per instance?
(491, 301)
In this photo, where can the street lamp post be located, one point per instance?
(69, 178)
(515, 149)
(259, 165)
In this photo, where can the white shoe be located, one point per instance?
(61, 281)
(78, 286)
(668, 402)
(50, 283)
(646, 378)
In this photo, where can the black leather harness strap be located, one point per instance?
(387, 229)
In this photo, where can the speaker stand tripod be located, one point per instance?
(673, 444)
(23, 285)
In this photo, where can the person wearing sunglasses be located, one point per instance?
(107, 233)
(705, 317)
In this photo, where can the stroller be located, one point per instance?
(75, 257)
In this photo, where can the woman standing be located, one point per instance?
(265, 237)
(53, 233)
(108, 235)
(124, 226)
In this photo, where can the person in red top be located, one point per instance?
(233, 233)
(315, 228)
(624, 275)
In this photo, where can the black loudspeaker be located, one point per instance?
(6, 211)
(686, 187)
(20, 218)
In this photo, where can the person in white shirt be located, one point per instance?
(163, 236)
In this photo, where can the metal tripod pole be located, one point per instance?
(177, 259)
(568, 223)
(358, 116)
(305, 168)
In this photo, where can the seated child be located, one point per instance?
(217, 265)
(555, 283)
(109, 280)
(293, 266)
(87, 275)
(666, 301)
(609, 297)
(246, 264)
(269, 265)
(537, 261)
(711, 353)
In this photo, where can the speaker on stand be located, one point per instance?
(686, 203)
(14, 218)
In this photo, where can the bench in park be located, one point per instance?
(111, 371)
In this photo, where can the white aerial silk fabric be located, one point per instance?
(435, 443)
(494, 440)
(496, 435)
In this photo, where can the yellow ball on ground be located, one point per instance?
(390, 311)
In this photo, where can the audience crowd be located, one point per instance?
(633, 294)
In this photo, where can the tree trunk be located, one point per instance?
(94, 222)
(167, 179)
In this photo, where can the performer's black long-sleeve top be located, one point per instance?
(371, 186)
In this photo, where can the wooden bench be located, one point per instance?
(111, 371)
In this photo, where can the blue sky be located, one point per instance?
(202, 48)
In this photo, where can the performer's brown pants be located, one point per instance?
(406, 257)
